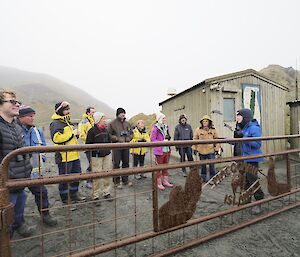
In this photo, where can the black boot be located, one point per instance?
(25, 231)
(76, 197)
(49, 220)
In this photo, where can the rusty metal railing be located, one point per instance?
(94, 248)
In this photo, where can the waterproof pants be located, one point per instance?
(250, 179)
(185, 151)
(72, 187)
(161, 159)
(118, 156)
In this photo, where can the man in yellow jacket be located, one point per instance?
(63, 133)
(84, 126)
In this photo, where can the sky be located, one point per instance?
(130, 53)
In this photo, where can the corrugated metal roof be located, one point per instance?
(228, 77)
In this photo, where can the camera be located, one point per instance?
(168, 137)
(124, 133)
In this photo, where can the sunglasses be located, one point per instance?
(12, 101)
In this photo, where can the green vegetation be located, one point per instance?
(148, 119)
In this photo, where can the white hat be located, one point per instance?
(98, 116)
(159, 117)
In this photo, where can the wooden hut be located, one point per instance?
(220, 97)
(295, 122)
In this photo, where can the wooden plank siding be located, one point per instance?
(209, 96)
(294, 121)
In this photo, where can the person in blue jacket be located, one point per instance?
(248, 127)
(35, 137)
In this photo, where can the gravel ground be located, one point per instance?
(277, 236)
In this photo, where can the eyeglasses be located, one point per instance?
(12, 101)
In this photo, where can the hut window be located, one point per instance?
(229, 109)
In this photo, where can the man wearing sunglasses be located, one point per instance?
(11, 138)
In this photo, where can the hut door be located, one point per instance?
(229, 111)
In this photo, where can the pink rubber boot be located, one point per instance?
(166, 182)
(159, 184)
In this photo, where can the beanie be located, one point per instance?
(98, 116)
(120, 110)
(182, 116)
(60, 107)
(159, 117)
(25, 110)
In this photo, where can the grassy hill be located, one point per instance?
(148, 119)
(283, 76)
(42, 91)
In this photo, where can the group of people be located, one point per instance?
(18, 130)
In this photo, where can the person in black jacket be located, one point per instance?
(183, 131)
(12, 138)
(100, 158)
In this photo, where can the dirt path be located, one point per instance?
(278, 236)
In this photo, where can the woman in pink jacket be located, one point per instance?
(160, 132)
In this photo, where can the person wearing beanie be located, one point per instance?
(26, 110)
(120, 132)
(35, 137)
(86, 123)
(183, 131)
(100, 158)
(63, 133)
(159, 133)
(206, 131)
(119, 111)
(139, 135)
(246, 127)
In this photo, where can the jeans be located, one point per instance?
(41, 197)
(212, 171)
(18, 199)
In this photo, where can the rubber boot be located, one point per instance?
(166, 182)
(159, 184)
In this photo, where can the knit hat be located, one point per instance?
(60, 107)
(25, 110)
(182, 116)
(120, 110)
(98, 116)
(159, 117)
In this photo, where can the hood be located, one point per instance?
(253, 122)
(65, 118)
(206, 117)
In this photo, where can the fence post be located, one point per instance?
(6, 215)
(288, 170)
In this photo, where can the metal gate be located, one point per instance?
(132, 224)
